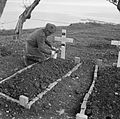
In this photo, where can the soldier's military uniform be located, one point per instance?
(35, 50)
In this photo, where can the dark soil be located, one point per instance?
(34, 80)
(105, 99)
(62, 102)
(11, 56)
(91, 41)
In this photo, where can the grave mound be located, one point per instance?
(36, 79)
(105, 99)
(63, 101)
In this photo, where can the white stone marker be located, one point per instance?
(77, 60)
(23, 100)
(54, 55)
(63, 40)
(81, 116)
(117, 43)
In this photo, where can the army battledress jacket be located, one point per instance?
(35, 44)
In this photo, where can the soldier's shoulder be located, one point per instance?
(37, 32)
(40, 32)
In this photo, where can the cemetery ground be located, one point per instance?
(91, 41)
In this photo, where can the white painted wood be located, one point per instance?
(54, 55)
(118, 62)
(117, 43)
(23, 100)
(114, 42)
(64, 33)
(77, 60)
(86, 96)
(63, 52)
(18, 72)
(63, 41)
(82, 115)
(9, 98)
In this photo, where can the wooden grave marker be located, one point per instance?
(63, 41)
(117, 43)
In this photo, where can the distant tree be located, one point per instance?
(24, 16)
(2, 6)
(116, 3)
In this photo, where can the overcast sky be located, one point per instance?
(95, 9)
(51, 4)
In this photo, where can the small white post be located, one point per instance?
(81, 116)
(63, 41)
(63, 52)
(77, 60)
(54, 55)
(23, 100)
(99, 62)
(117, 43)
(118, 62)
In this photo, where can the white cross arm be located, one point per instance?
(64, 39)
(114, 42)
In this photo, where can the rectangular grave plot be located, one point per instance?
(105, 95)
(15, 88)
(35, 80)
(27, 86)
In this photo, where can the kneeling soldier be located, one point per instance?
(35, 51)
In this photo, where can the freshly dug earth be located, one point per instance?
(104, 103)
(11, 56)
(91, 41)
(62, 102)
(34, 80)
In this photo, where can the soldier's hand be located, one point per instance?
(53, 48)
(57, 50)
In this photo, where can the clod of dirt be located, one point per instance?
(4, 51)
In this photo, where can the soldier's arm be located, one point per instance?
(41, 47)
(48, 43)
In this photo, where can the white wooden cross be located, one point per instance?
(117, 43)
(63, 41)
